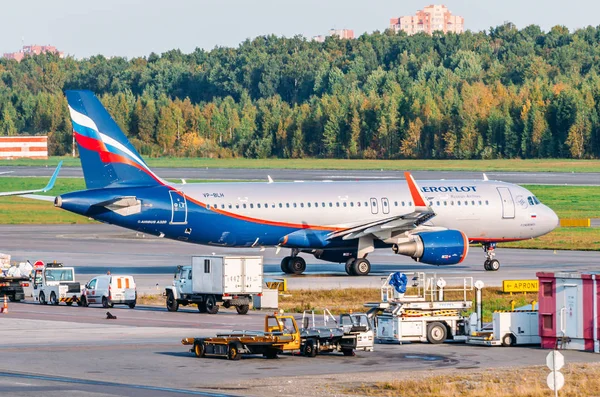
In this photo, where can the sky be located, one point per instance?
(130, 28)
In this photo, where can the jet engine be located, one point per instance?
(446, 247)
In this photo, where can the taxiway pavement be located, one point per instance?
(58, 350)
(95, 249)
(544, 178)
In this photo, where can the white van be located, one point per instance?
(110, 290)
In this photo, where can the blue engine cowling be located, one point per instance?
(446, 247)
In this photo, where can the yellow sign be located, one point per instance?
(520, 286)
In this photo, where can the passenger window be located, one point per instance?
(308, 205)
(229, 206)
(487, 202)
(280, 206)
(237, 206)
(294, 205)
(330, 204)
(366, 204)
(352, 204)
(473, 202)
(403, 203)
(437, 203)
(344, 203)
(206, 267)
(395, 203)
(530, 200)
(445, 203)
(479, 202)
(287, 205)
(323, 205)
(358, 203)
(92, 284)
(337, 204)
(452, 202)
(410, 203)
(301, 205)
(244, 205)
(252, 205)
(190, 271)
(458, 203)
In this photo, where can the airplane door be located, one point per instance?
(508, 205)
(374, 207)
(178, 208)
(385, 205)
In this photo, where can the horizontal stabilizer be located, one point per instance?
(124, 206)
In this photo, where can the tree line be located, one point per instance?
(502, 93)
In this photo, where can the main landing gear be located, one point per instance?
(358, 267)
(490, 263)
(293, 264)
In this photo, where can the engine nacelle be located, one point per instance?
(446, 247)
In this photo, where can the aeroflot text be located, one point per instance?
(443, 189)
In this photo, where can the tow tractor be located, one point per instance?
(281, 334)
(353, 332)
(53, 283)
(422, 315)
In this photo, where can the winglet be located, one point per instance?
(414, 191)
(485, 177)
(270, 180)
(52, 180)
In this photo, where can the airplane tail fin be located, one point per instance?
(107, 156)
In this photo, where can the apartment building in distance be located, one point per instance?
(428, 20)
(32, 50)
(341, 33)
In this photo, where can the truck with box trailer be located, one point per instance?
(53, 283)
(280, 334)
(209, 280)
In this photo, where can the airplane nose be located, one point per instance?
(553, 221)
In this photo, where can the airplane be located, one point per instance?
(45, 189)
(431, 221)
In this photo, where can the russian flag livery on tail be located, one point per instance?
(107, 156)
(432, 222)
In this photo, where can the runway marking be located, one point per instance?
(109, 384)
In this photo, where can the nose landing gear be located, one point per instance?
(490, 263)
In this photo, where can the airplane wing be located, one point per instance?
(408, 222)
(47, 188)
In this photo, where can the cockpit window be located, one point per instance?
(533, 200)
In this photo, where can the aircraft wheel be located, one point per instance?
(361, 267)
(297, 265)
(486, 264)
(349, 264)
(285, 265)
(494, 265)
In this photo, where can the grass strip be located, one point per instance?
(580, 380)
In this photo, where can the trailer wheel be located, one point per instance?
(509, 340)
(202, 307)
(172, 304)
(53, 300)
(199, 349)
(348, 352)
(310, 348)
(43, 299)
(233, 352)
(211, 304)
(436, 333)
(227, 304)
(243, 309)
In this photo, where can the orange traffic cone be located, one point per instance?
(4, 309)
